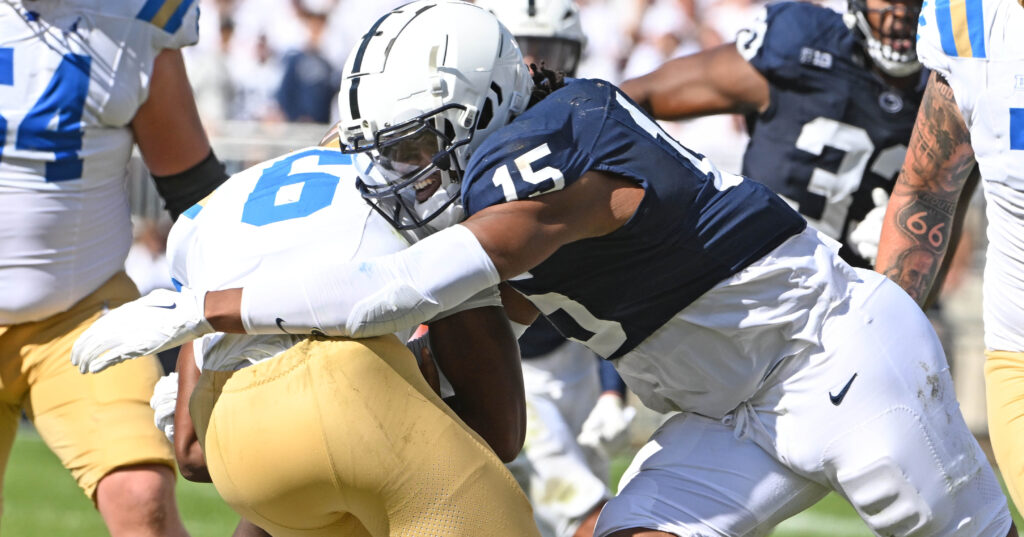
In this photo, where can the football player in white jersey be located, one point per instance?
(576, 416)
(794, 373)
(311, 436)
(80, 82)
(971, 120)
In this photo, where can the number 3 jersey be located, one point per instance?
(834, 130)
(976, 45)
(72, 76)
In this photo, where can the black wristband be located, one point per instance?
(183, 190)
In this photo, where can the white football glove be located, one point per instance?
(606, 429)
(165, 396)
(864, 237)
(158, 321)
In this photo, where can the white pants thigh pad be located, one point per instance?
(891, 440)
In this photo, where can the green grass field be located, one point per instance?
(41, 500)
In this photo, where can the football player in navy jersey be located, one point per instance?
(829, 99)
(793, 373)
(577, 419)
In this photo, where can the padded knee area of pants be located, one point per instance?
(887, 500)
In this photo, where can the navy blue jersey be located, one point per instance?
(694, 228)
(834, 130)
(539, 339)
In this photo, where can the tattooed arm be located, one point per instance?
(921, 215)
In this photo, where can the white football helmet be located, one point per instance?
(893, 48)
(425, 86)
(547, 30)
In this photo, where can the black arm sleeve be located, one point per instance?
(183, 190)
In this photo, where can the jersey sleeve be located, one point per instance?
(775, 43)
(179, 242)
(935, 42)
(544, 150)
(173, 24)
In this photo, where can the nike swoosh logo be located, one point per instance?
(280, 324)
(838, 398)
(171, 307)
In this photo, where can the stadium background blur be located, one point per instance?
(265, 74)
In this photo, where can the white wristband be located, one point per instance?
(372, 297)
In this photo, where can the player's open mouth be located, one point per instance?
(426, 188)
(901, 45)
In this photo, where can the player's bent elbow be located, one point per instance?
(504, 438)
(508, 446)
(191, 461)
(508, 452)
(195, 472)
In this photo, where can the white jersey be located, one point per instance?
(298, 210)
(72, 76)
(976, 46)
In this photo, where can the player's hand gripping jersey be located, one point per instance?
(976, 46)
(72, 76)
(301, 209)
(834, 130)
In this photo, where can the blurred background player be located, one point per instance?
(316, 436)
(576, 416)
(971, 121)
(78, 85)
(829, 101)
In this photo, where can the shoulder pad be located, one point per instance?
(951, 29)
(544, 150)
(776, 43)
(177, 20)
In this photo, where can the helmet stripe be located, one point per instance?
(357, 64)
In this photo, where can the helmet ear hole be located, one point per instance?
(485, 115)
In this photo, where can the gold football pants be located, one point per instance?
(94, 423)
(344, 437)
(1004, 393)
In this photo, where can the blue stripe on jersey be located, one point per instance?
(7, 79)
(976, 27)
(177, 285)
(945, 23)
(7, 66)
(1017, 128)
(150, 10)
(192, 211)
(179, 15)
